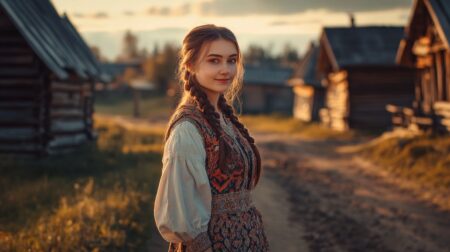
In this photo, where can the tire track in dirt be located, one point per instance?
(342, 206)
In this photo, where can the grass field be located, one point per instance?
(98, 198)
(422, 158)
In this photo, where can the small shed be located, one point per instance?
(362, 77)
(427, 48)
(266, 90)
(47, 77)
(308, 90)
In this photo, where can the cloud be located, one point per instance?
(238, 7)
(129, 13)
(297, 22)
(277, 7)
(100, 15)
(180, 10)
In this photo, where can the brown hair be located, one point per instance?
(192, 44)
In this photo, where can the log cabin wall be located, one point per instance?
(266, 99)
(23, 93)
(433, 64)
(39, 113)
(371, 89)
(337, 100)
(71, 114)
(303, 102)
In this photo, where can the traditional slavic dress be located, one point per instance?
(198, 205)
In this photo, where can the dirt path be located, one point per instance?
(344, 205)
(272, 200)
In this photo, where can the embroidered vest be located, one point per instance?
(232, 213)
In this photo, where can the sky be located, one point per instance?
(269, 23)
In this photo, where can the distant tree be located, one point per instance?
(130, 49)
(129, 74)
(161, 68)
(289, 55)
(258, 55)
(97, 53)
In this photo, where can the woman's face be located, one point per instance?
(216, 67)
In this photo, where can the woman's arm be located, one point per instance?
(183, 201)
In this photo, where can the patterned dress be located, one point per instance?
(234, 224)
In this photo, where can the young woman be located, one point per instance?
(210, 162)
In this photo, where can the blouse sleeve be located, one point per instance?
(183, 201)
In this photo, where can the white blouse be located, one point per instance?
(183, 201)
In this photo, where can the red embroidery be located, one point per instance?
(228, 230)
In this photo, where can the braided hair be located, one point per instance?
(192, 92)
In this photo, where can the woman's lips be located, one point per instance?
(224, 81)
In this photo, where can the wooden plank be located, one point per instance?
(18, 105)
(19, 124)
(15, 50)
(447, 76)
(26, 60)
(441, 105)
(68, 140)
(18, 72)
(17, 133)
(13, 115)
(59, 125)
(422, 120)
(439, 77)
(393, 109)
(19, 81)
(28, 140)
(64, 87)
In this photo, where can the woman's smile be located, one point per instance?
(223, 81)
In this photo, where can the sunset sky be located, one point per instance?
(264, 22)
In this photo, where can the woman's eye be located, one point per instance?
(215, 61)
(232, 61)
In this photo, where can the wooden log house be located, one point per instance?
(427, 48)
(308, 90)
(47, 76)
(361, 76)
(266, 91)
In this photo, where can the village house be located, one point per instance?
(427, 48)
(47, 77)
(265, 90)
(307, 87)
(361, 76)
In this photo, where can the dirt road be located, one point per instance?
(314, 198)
(340, 203)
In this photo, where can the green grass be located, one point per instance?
(151, 105)
(424, 158)
(288, 125)
(98, 198)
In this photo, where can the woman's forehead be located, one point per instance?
(219, 47)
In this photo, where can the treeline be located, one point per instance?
(159, 66)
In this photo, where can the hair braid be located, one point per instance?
(229, 113)
(212, 117)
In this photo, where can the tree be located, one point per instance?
(161, 68)
(258, 55)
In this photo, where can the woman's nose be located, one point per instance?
(225, 68)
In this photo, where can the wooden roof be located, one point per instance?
(306, 73)
(439, 12)
(361, 46)
(267, 75)
(53, 38)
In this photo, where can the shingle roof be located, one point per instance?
(266, 75)
(306, 72)
(53, 38)
(441, 9)
(369, 45)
